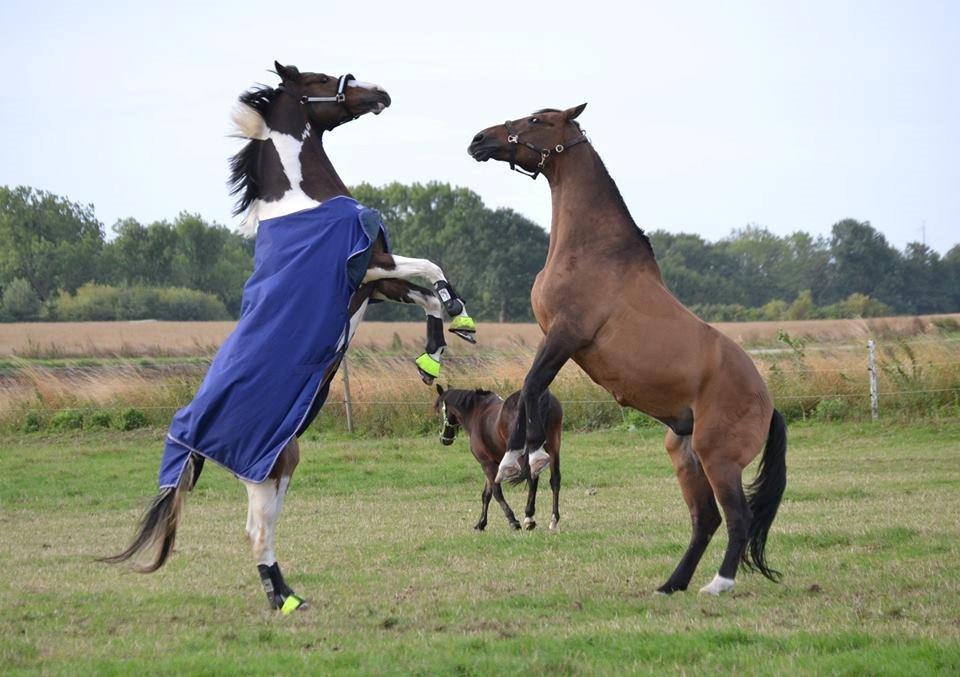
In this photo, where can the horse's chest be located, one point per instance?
(553, 290)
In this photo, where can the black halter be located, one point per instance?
(339, 97)
(514, 140)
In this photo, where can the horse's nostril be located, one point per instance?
(478, 138)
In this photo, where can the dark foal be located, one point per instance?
(488, 419)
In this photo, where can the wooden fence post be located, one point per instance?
(347, 402)
(872, 368)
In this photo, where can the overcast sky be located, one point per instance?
(710, 116)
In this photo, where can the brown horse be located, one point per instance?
(600, 300)
(488, 419)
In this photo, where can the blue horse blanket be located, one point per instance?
(270, 376)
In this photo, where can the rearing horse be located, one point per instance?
(600, 300)
(320, 259)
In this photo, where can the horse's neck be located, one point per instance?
(588, 215)
(309, 172)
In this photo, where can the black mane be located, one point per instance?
(466, 400)
(244, 175)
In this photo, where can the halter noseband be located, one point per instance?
(513, 139)
(447, 425)
(339, 97)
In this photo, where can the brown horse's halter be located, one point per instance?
(339, 97)
(514, 140)
(449, 432)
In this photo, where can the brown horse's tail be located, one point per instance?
(764, 495)
(158, 526)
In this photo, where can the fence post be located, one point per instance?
(347, 404)
(872, 368)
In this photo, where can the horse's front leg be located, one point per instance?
(401, 291)
(384, 265)
(529, 436)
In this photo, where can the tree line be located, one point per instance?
(56, 262)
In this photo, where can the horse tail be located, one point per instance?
(764, 495)
(158, 527)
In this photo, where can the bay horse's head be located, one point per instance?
(451, 424)
(528, 143)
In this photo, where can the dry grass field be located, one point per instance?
(66, 376)
(153, 339)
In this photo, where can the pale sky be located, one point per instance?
(709, 115)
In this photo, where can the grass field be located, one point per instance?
(377, 534)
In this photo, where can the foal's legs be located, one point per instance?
(498, 494)
(555, 487)
(528, 522)
(265, 502)
(485, 502)
(704, 516)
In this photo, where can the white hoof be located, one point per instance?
(554, 526)
(718, 585)
(509, 466)
(529, 523)
(538, 461)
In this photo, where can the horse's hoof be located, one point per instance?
(554, 526)
(479, 527)
(428, 368)
(717, 586)
(515, 526)
(668, 589)
(293, 603)
(468, 336)
(529, 524)
(539, 460)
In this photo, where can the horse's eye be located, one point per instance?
(534, 121)
(324, 80)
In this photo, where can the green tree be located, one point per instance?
(47, 240)
(20, 301)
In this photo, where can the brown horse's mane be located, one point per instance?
(618, 197)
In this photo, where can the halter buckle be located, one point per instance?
(340, 98)
(512, 138)
(559, 148)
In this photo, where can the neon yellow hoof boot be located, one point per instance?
(428, 367)
(293, 603)
(464, 327)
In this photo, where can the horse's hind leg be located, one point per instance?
(726, 479)
(704, 516)
(265, 502)
(528, 522)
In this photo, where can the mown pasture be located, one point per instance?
(377, 534)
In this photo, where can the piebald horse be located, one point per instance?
(488, 420)
(284, 170)
(643, 346)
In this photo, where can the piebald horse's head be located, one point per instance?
(283, 168)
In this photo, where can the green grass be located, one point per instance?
(377, 534)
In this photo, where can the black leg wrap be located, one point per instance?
(434, 335)
(276, 588)
(448, 297)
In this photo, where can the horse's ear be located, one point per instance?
(572, 113)
(286, 72)
(439, 389)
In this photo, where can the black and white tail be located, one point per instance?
(157, 530)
